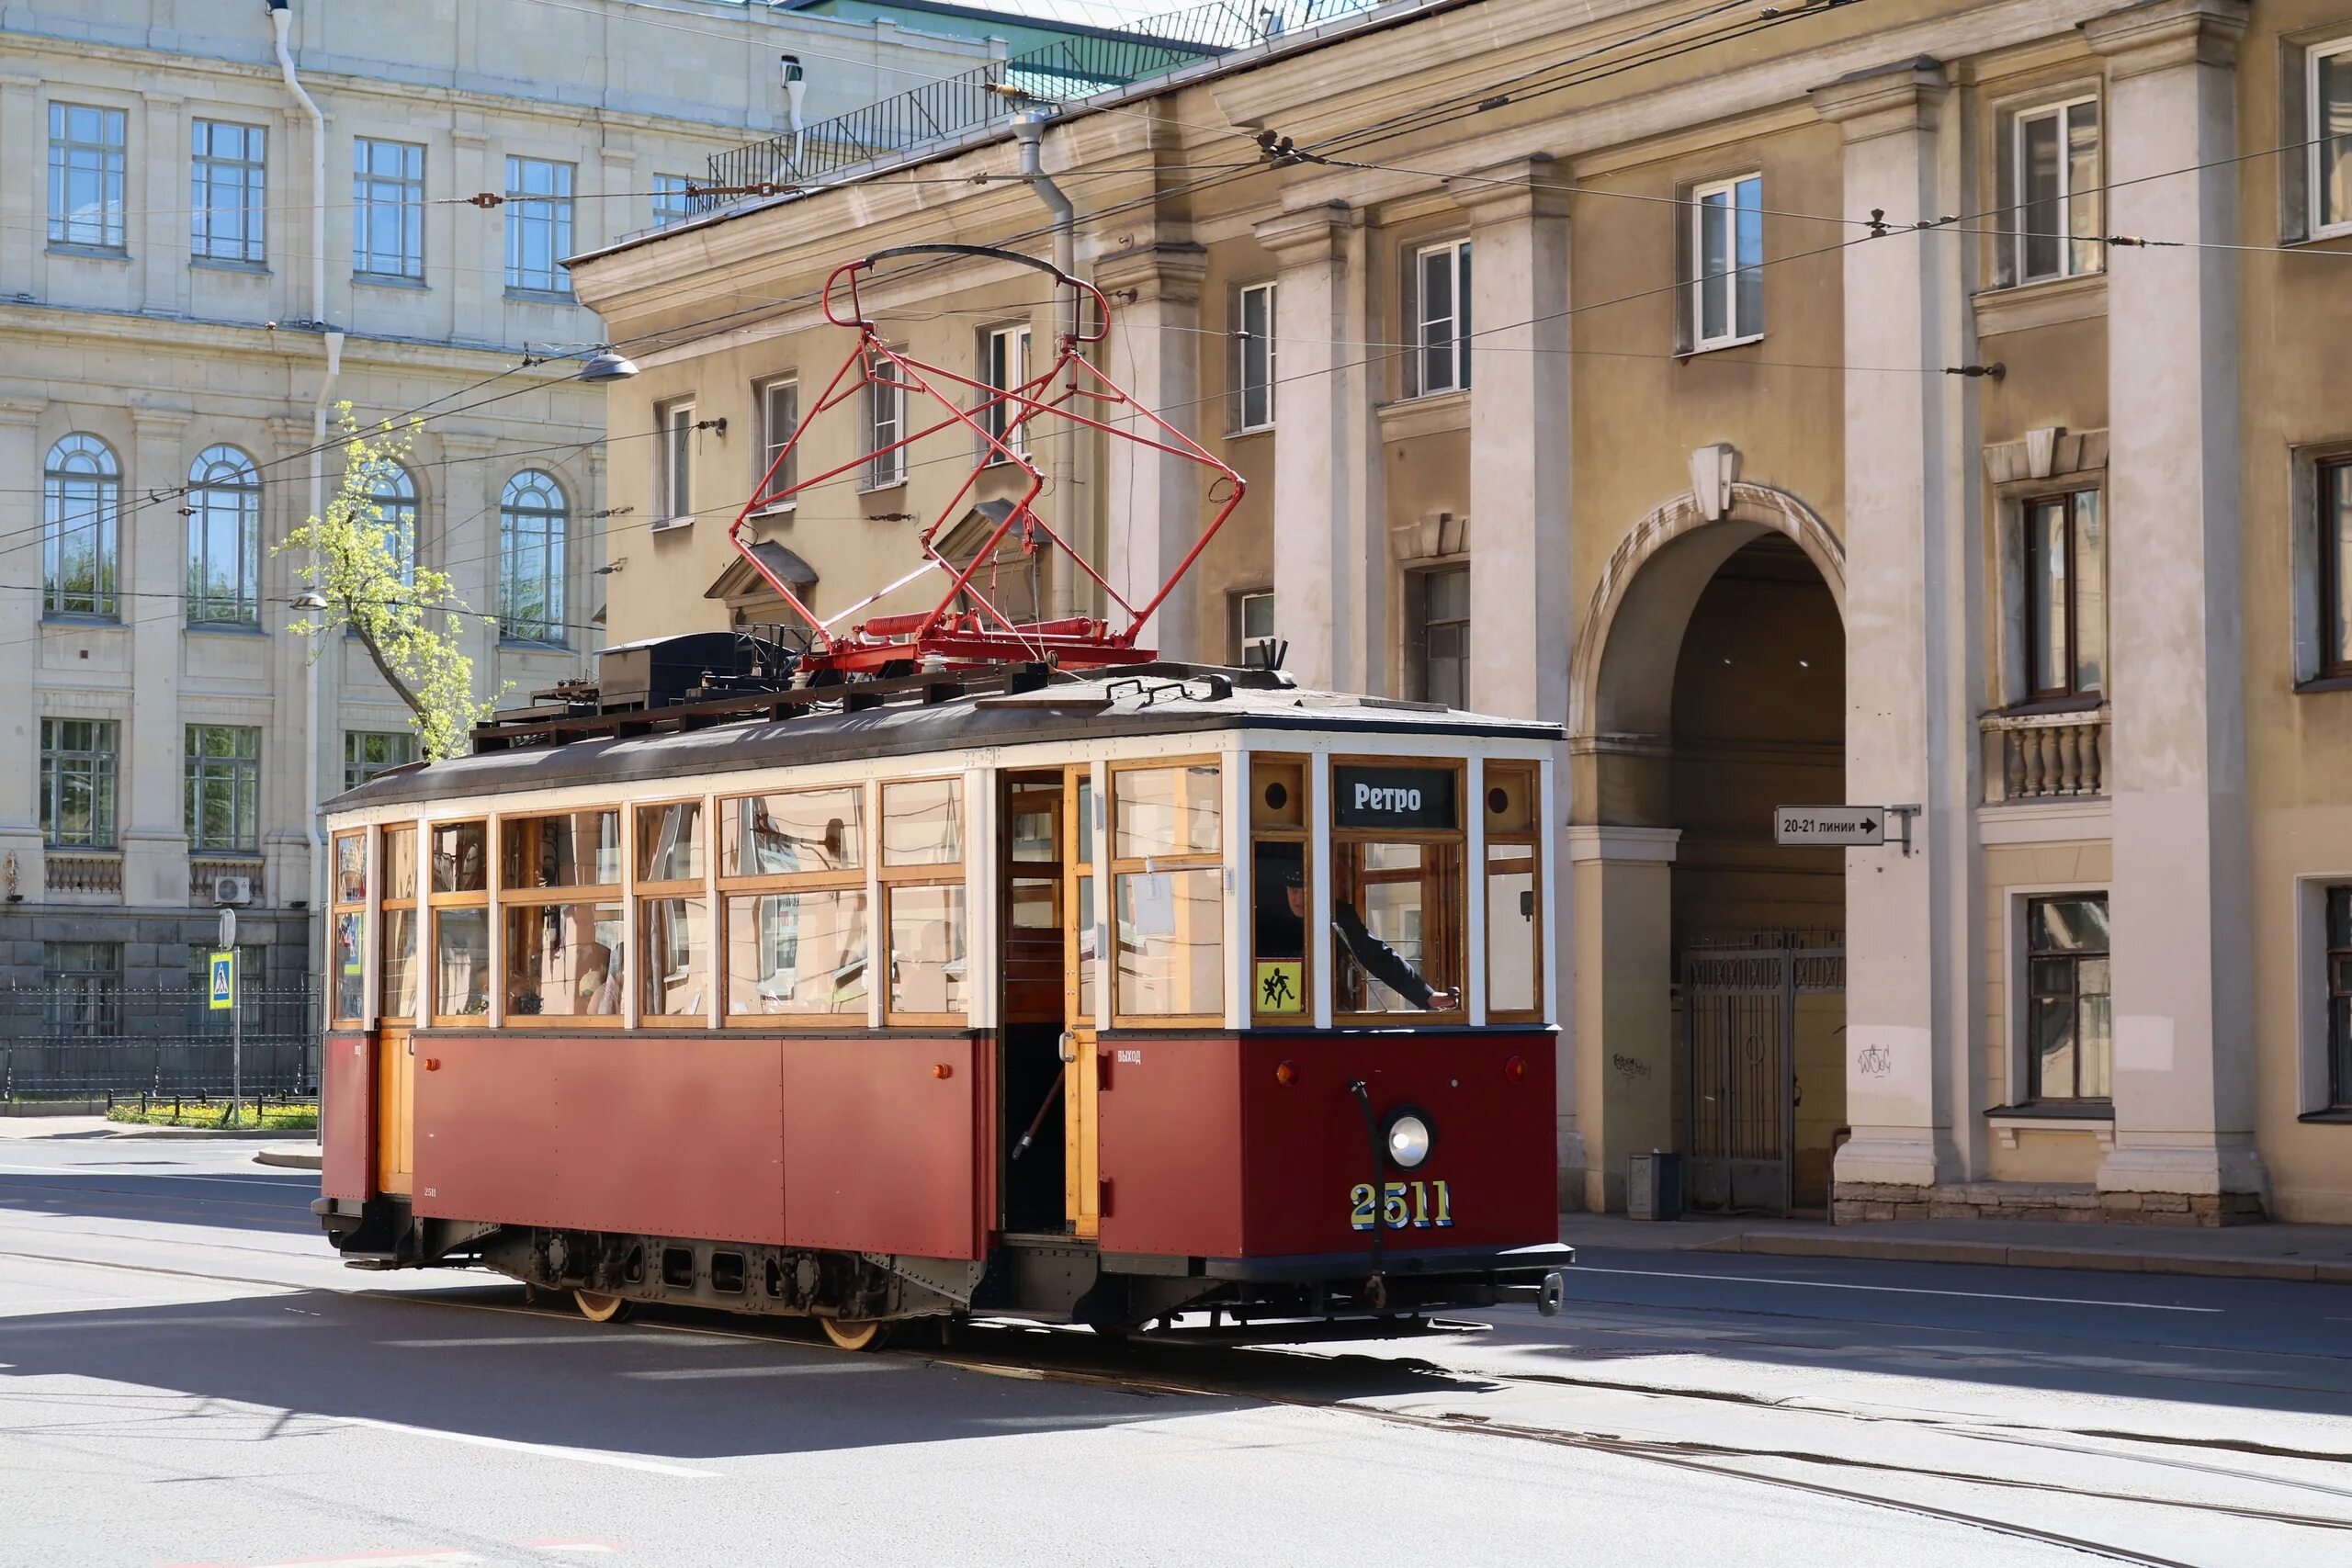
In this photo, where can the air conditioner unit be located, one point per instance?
(232, 889)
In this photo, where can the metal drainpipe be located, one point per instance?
(1029, 127)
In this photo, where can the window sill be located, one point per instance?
(781, 509)
(2044, 302)
(2096, 1117)
(1247, 431)
(2325, 684)
(1718, 345)
(884, 487)
(664, 524)
(2339, 1116)
(88, 252)
(2043, 706)
(390, 280)
(1427, 413)
(227, 264)
(531, 645)
(521, 296)
(234, 628)
(79, 619)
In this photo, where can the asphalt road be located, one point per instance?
(187, 1377)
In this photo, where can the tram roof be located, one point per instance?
(1151, 700)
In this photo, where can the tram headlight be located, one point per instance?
(1408, 1140)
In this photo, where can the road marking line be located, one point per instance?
(516, 1445)
(559, 1338)
(293, 1179)
(787, 1370)
(1888, 1290)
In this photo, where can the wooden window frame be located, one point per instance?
(641, 888)
(849, 881)
(2334, 660)
(1458, 836)
(2036, 1093)
(888, 879)
(505, 898)
(1697, 278)
(1244, 345)
(387, 905)
(2033, 580)
(1454, 249)
(2337, 984)
(1532, 839)
(2314, 173)
(2021, 201)
(763, 393)
(1115, 866)
(338, 907)
(439, 904)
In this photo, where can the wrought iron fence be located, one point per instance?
(92, 1037)
(1071, 68)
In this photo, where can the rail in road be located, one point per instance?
(2211, 1425)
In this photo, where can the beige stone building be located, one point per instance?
(203, 245)
(1924, 405)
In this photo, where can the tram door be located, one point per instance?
(395, 1111)
(1048, 1144)
(1081, 1164)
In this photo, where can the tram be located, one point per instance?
(959, 964)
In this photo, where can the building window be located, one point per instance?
(674, 462)
(2050, 188)
(1437, 292)
(391, 495)
(228, 199)
(81, 529)
(2328, 127)
(2339, 998)
(533, 523)
(538, 225)
(1253, 625)
(223, 539)
(779, 406)
(77, 774)
(1004, 365)
(2066, 597)
(367, 752)
(1253, 356)
(672, 200)
(886, 419)
(223, 778)
(2336, 567)
(2069, 1028)
(84, 981)
(86, 161)
(1440, 665)
(388, 210)
(1726, 255)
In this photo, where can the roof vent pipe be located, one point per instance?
(1028, 129)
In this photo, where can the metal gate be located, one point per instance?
(1739, 1009)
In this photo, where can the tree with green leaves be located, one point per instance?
(361, 557)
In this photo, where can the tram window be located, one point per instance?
(460, 858)
(923, 823)
(668, 842)
(563, 961)
(1172, 943)
(674, 957)
(782, 835)
(572, 849)
(797, 952)
(928, 976)
(460, 962)
(1396, 926)
(351, 868)
(349, 999)
(1166, 811)
(1279, 910)
(396, 984)
(400, 865)
(1514, 895)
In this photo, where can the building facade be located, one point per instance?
(203, 250)
(1929, 406)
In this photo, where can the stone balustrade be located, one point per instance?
(2045, 755)
(82, 874)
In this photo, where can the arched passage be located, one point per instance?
(1709, 687)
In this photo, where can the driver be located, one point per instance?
(1282, 929)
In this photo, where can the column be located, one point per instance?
(2180, 902)
(1329, 598)
(1155, 501)
(1906, 740)
(1521, 597)
(1623, 1002)
(149, 787)
(20, 565)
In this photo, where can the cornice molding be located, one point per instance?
(1892, 100)
(1311, 235)
(2158, 35)
(1172, 270)
(1514, 191)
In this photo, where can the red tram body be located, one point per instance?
(1098, 1003)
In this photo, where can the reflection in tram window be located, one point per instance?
(923, 823)
(1511, 953)
(780, 835)
(461, 961)
(1395, 927)
(400, 865)
(668, 842)
(1166, 811)
(350, 963)
(398, 997)
(460, 858)
(927, 952)
(797, 952)
(673, 946)
(573, 848)
(563, 961)
(1172, 943)
(351, 868)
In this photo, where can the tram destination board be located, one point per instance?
(1834, 827)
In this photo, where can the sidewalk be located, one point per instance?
(25, 1127)
(2321, 1253)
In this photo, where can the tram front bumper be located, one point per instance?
(1462, 1276)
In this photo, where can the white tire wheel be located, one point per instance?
(600, 1308)
(851, 1333)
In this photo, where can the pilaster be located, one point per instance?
(159, 238)
(148, 798)
(1624, 1006)
(477, 250)
(467, 547)
(2181, 905)
(1326, 476)
(1155, 497)
(1907, 632)
(20, 591)
(23, 213)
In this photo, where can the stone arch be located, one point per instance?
(1652, 582)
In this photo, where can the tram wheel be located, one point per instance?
(598, 1308)
(848, 1334)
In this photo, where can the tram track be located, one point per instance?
(1723, 1460)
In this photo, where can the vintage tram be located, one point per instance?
(1092, 999)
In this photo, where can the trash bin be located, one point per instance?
(1653, 1185)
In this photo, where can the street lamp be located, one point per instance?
(606, 365)
(309, 601)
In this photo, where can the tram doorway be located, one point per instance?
(1048, 1174)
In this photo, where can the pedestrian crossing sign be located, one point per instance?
(224, 981)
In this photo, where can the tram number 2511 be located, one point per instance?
(1404, 1205)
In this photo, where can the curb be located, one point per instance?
(291, 1159)
(1892, 1249)
(131, 1129)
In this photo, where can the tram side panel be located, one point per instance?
(1170, 1136)
(883, 1148)
(347, 1115)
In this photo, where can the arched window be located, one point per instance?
(81, 528)
(391, 491)
(533, 521)
(223, 539)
